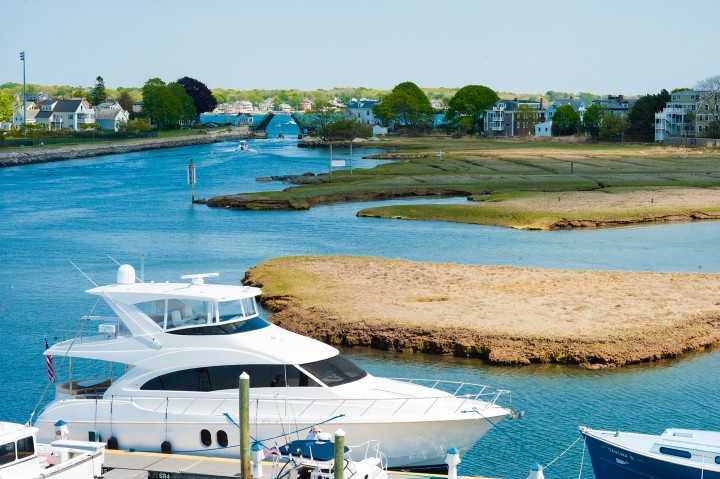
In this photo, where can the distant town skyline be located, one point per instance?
(608, 47)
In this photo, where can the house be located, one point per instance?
(502, 120)
(361, 110)
(708, 112)
(676, 117)
(285, 107)
(244, 119)
(17, 118)
(109, 119)
(70, 114)
(578, 104)
(617, 105)
(307, 105)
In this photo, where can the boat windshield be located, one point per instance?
(174, 313)
(334, 371)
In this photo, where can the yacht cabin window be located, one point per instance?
(25, 447)
(175, 313)
(7, 453)
(217, 378)
(334, 371)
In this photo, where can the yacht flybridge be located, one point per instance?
(183, 347)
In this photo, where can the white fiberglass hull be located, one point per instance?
(407, 442)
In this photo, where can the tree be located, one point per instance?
(612, 126)
(565, 121)
(160, 104)
(471, 101)
(98, 94)
(592, 120)
(202, 97)
(641, 117)
(6, 106)
(187, 107)
(406, 105)
(126, 102)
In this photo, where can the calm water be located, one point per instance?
(138, 204)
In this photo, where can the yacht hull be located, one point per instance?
(408, 443)
(612, 461)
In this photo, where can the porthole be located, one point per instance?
(206, 438)
(222, 438)
(675, 452)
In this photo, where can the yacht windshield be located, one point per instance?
(171, 314)
(334, 371)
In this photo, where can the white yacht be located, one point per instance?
(21, 457)
(182, 347)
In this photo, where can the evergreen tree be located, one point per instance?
(641, 117)
(98, 94)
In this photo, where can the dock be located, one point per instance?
(148, 465)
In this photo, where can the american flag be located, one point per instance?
(49, 365)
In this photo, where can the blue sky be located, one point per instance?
(605, 47)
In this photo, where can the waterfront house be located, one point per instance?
(17, 118)
(307, 105)
(70, 114)
(109, 119)
(244, 119)
(707, 119)
(361, 110)
(617, 105)
(676, 117)
(504, 120)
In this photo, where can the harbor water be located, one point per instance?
(124, 207)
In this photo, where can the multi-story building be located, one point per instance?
(545, 128)
(503, 120)
(70, 114)
(361, 111)
(677, 118)
(617, 105)
(707, 118)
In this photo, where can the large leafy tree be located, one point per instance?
(592, 120)
(470, 101)
(98, 93)
(202, 97)
(641, 117)
(160, 104)
(407, 105)
(187, 107)
(565, 121)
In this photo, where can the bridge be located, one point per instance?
(304, 127)
(259, 130)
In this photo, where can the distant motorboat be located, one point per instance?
(280, 136)
(243, 146)
(291, 122)
(673, 454)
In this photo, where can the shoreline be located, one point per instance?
(501, 315)
(46, 154)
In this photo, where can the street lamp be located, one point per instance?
(22, 58)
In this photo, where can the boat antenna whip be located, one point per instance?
(7, 297)
(83, 273)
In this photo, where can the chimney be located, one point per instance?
(516, 99)
(541, 103)
(620, 98)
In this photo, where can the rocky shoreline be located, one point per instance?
(28, 156)
(501, 315)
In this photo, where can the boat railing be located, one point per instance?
(370, 450)
(86, 388)
(94, 329)
(480, 398)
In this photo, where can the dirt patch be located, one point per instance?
(503, 315)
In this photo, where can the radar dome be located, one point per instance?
(126, 274)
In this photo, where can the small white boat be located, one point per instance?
(676, 453)
(315, 460)
(243, 146)
(21, 457)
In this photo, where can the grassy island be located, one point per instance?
(528, 185)
(503, 315)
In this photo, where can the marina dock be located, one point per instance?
(147, 465)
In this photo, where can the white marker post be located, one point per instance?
(191, 179)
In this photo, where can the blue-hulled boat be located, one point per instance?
(676, 453)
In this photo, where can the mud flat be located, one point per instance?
(502, 315)
(27, 156)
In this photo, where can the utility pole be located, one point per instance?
(22, 58)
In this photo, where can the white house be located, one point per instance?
(285, 107)
(244, 119)
(109, 119)
(362, 111)
(70, 114)
(543, 129)
(17, 118)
